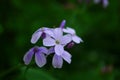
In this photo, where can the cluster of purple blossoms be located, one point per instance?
(56, 41)
(104, 2)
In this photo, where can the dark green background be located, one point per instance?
(97, 58)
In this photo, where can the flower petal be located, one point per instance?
(62, 24)
(40, 59)
(48, 41)
(59, 49)
(43, 50)
(49, 32)
(66, 39)
(28, 56)
(77, 39)
(69, 30)
(57, 61)
(66, 56)
(58, 33)
(51, 50)
(36, 36)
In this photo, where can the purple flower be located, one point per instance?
(40, 57)
(71, 31)
(105, 2)
(41, 32)
(57, 40)
(57, 61)
(62, 24)
(53, 38)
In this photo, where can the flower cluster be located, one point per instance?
(104, 2)
(56, 39)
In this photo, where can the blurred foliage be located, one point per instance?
(97, 58)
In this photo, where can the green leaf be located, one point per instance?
(38, 74)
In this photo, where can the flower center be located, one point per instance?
(57, 42)
(35, 49)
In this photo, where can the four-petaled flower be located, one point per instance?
(57, 61)
(39, 53)
(57, 40)
(71, 31)
(41, 32)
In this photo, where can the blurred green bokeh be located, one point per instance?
(97, 58)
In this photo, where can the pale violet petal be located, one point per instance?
(40, 59)
(66, 39)
(59, 49)
(57, 61)
(66, 31)
(48, 41)
(36, 36)
(43, 50)
(58, 33)
(28, 56)
(49, 32)
(69, 30)
(51, 50)
(66, 56)
(76, 39)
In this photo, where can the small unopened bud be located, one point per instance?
(62, 24)
(70, 45)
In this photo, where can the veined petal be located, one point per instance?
(51, 50)
(59, 49)
(77, 39)
(57, 61)
(58, 33)
(28, 56)
(69, 30)
(48, 41)
(36, 36)
(40, 59)
(49, 32)
(43, 50)
(62, 24)
(66, 56)
(66, 39)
